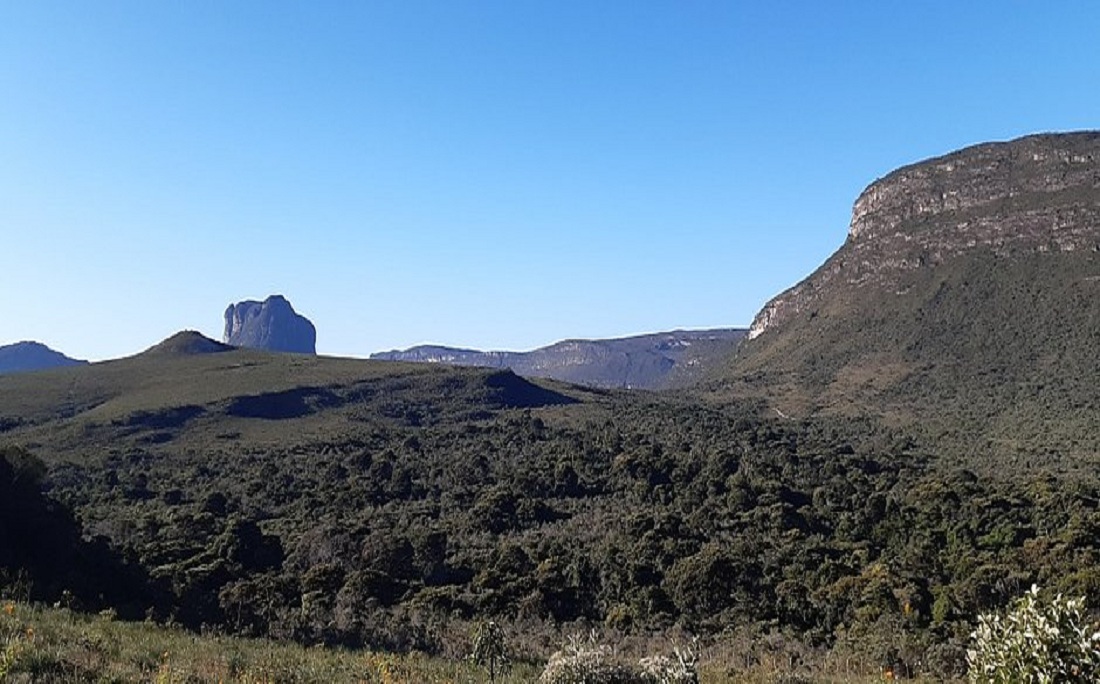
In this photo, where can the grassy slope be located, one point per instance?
(163, 400)
(39, 644)
(56, 645)
(988, 355)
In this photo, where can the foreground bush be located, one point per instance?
(1036, 641)
(679, 668)
(588, 662)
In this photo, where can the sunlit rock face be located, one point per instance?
(272, 325)
(1040, 193)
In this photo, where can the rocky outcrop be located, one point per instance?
(23, 357)
(272, 325)
(1040, 193)
(642, 362)
(964, 303)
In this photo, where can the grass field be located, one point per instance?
(56, 645)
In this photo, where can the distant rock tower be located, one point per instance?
(272, 325)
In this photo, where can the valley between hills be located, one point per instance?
(903, 441)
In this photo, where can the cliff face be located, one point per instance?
(1034, 194)
(272, 325)
(965, 298)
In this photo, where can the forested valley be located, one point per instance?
(630, 513)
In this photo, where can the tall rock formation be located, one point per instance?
(966, 296)
(272, 325)
(1032, 195)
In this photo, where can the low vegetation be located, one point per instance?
(1039, 639)
(388, 509)
(57, 645)
(985, 357)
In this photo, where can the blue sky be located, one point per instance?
(486, 174)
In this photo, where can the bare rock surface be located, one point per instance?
(1040, 193)
(272, 325)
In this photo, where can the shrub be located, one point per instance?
(489, 648)
(679, 668)
(1041, 641)
(584, 661)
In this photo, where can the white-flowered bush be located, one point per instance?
(586, 661)
(678, 668)
(1037, 640)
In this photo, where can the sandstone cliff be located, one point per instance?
(1034, 194)
(965, 299)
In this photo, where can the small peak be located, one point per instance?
(27, 345)
(189, 342)
(29, 355)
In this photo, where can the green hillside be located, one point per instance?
(189, 393)
(376, 504)
(984, 353)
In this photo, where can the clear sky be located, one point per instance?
(487, 174)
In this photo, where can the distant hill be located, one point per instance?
(189, 342)
(966, 298)
(189, 389)
(271, 325)
(656, 361)
(22, 357)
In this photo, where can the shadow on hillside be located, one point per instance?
(516, 392)
(503, 389)
(164, 419)
(292, 403)
(44, 556)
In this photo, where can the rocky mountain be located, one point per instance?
(966, 296)
(660, 360)
(271, 325)
(31, 356)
